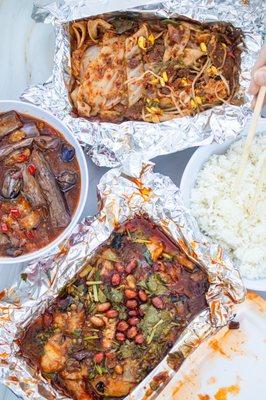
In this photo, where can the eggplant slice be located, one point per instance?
(8, 123)
(60, 217)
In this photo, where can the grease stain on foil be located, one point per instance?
(224, 392)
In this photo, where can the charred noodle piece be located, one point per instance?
(119, 317)
(32, 190)
(8, 123)
(60, 217)
(8, 149)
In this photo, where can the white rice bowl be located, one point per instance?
(239, 224)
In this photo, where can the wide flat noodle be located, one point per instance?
(135, 67)
(109, 144)
(104, 76)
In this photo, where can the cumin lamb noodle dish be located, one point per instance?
(117, 319)
(152, 70)
(39, 184)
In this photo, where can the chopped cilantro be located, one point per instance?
(101, 296)
(151, 318)
(128, 349)
(114, 295)
(155, 284)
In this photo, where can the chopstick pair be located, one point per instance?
(248, 144)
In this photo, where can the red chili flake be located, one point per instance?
(23, 158)
(231, 54)
(4, 227)
(98, 358)
(32, 169)
(15, 213)
(30, 235)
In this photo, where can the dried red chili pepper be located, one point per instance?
(15, 213)
(4, 227)
(32, 169)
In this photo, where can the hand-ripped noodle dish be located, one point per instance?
(38, 170)
(152, 70)
(117, 319)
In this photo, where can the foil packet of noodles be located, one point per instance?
(124, 193)
(109, 144)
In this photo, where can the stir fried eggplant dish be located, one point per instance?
(152, 70)
(38, 171)
(120, 315)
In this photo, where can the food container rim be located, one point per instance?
(37, 112)
(194, 165)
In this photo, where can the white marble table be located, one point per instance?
(26, 50)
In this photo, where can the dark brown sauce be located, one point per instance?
(102, 347)
(16, 238)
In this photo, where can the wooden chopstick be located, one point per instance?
(249, 140)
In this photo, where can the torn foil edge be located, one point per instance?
(110, 144)
(125, 191)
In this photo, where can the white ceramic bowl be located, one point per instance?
(189, 178)
(26, 108)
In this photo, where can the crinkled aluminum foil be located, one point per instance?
(123, 192)
(110, 144)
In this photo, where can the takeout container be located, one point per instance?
(26, 108)
(123, 192)
(190, 175)
(110, 144)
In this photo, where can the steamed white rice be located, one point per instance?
(235, 223)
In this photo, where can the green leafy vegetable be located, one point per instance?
(127, 349)
(151, 319)
(130, 350)
(122, 25)
(95, 293)
(153, 331)
(155, 285)
(122, 313)
(114, 295)
(101, 296)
